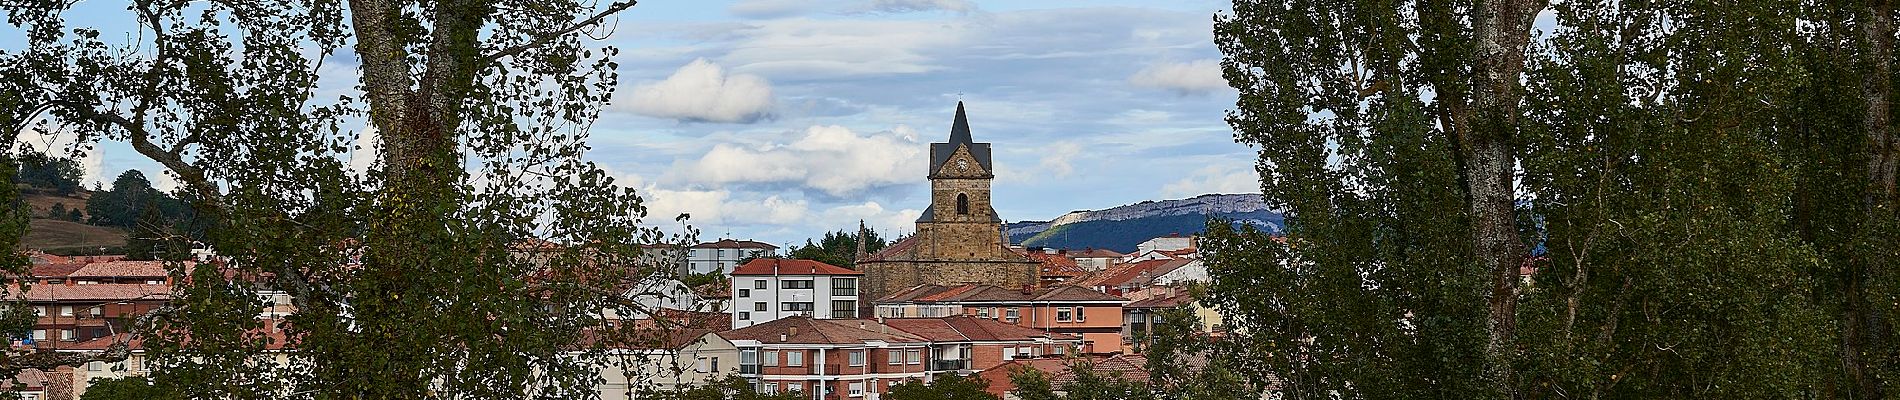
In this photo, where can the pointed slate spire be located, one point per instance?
(960, 129)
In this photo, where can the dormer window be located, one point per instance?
(963, 204)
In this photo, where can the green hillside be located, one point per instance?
(1125, 235)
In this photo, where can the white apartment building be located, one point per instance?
(767, 289)
(724, 255)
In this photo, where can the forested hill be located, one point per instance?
(1122, 228)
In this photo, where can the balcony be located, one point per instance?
(748, 369)
(949, 365)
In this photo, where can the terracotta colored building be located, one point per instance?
(966, 344)
(1094, 316)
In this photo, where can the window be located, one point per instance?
(796, 306)
(95, 366)
(715, 365)
(1064, 315)
(857, 389)
(699, 365)
(1010, 314)
(745, 292)
(1009, 353)
(748, 357)
(758, 284)
(857, 358)
(1062, 350)
(844, 286)
(39, 334)
(897, 356)
(1079, 317)
(843, 309)
(795, 358)
(771, 358)
(67, 335)
(745, 316)
(797, 284)
(963, 204)
(65, 311)
(771, 388)
(758, 306)
(982, 312)
(913, 356)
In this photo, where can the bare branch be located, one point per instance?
(544, 38)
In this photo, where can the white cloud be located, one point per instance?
(702, 91)
(815, 49)
(831, 159)
(719, 207)
(906, 6)
(1057, 158)
(875, 216)
(60, 143)
(769, 8)
(1214, 179)
(364, 154)
(1193, 77)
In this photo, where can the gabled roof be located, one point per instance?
(781, 266)
(994, 294)
(1163, 302)
(1094, 253)
(123, 269)
(98, 292)
(805, 330)
(963, 328)
(735, 244)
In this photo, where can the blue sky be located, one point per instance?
(778, 120)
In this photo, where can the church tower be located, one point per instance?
(960, 219)
(959, 237)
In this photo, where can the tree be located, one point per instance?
(60, 174)
(57, 211)
(1387, 132)
(121, 207)
(127, 388)
(413, 270)
(838, 248)
(943, 387)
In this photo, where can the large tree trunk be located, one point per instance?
(416, 109)
(1865, 331)
(1490, 160)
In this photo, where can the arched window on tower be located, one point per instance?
(963, 204)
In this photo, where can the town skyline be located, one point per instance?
(818, 110)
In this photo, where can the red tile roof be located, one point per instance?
(734, 244)
(902, 246)
(115, 269)
(1095, 253)
(103, 291)
(781, 266)
(963, 328)
(993, 294)
(804, 330)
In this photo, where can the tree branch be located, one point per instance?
(550, 36)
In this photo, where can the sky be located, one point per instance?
(779, 120)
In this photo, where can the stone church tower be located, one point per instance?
(959, 237)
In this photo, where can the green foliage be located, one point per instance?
(838, 248)
(942, 387)
(61, 175)
(127, 388)
(469, 262)
(728, 388)
(1683, 164)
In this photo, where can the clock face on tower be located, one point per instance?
(963, 165)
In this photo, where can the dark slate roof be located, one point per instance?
(930, 215)
(959, 136)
